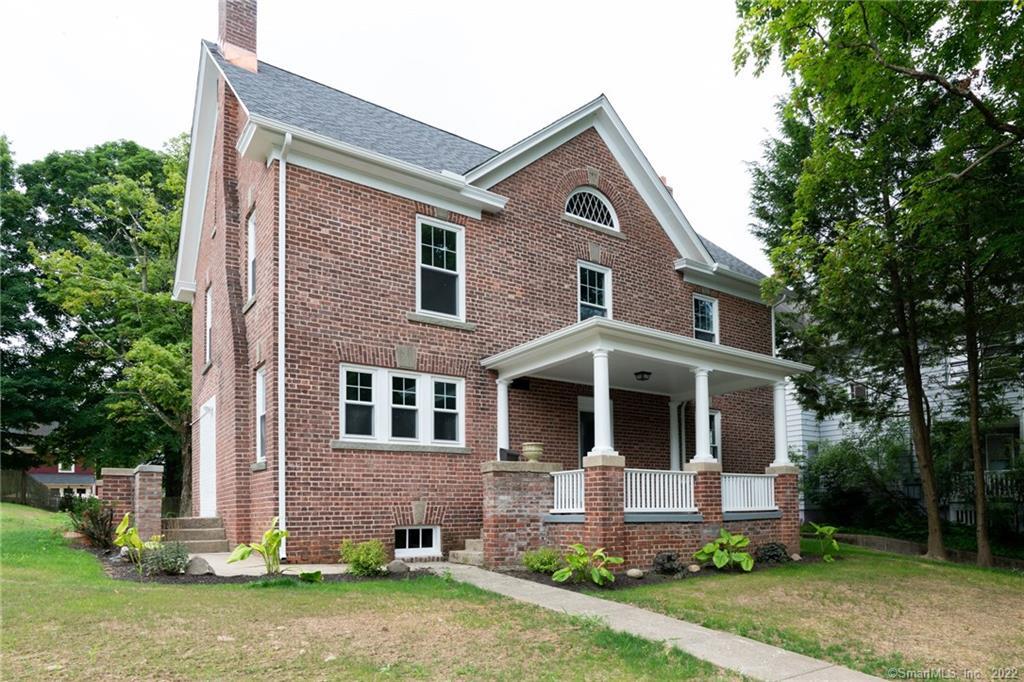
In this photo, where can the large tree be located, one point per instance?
(905, 102)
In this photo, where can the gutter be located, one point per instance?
(282, 194)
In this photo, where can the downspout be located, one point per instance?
(282, 174)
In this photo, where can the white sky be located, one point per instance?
(81, 73)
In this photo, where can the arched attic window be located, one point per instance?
(590, 206)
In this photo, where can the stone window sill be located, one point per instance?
(248, 304)
(593, 226)
(258, 466)
(425, 318)
(399, 447)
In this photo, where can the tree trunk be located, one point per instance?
(185, 503)
(974, 419)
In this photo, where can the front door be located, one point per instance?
(208, 459)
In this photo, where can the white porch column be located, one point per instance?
(602, 406)
(675, 451)
(701, 416)
(781, 442)
(502, 415)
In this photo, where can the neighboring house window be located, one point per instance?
(956, 369)
(715, 428)
(441, 269)
(251, 247)
(208, 326)
(65, 468)
(358, 412)
(388, 406)
(595, 287)
(261, 415)
(590, 206)
(418, 541)
(403, 407)
(858, 391)
(705, 318)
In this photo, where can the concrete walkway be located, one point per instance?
(254, 565)
(750, 658)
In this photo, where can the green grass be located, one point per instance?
(870, 610)
(64, 618)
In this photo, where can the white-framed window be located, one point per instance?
(715, 433)
(417, 541)
(857, 390)
(588, 205)
(956, 369)
(250, 239)
(393, 406)
(440, 268)
(261, 414)
(63, 468)
(705, 318)
(594, 283)
(208, 325)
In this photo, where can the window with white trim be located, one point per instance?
(250, 239)
(715, 433)
(440, 271)
(397, 407)
(705, 318)
(63, 468)
(208, 326)
(595, 291)
(417, 541)
(261, 415)
(590, 206)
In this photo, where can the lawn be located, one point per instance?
(870, 611)
(63, 618)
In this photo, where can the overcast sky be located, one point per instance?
(80, 73)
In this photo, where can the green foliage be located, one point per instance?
(582, 566)
(94, 520)
(66, 502)
(311, 577)
(667, 563)
(363, 558)
(545, 560)
(127, 536)
(772, 553)
(269, 549)
(169, 558)
(826, 541)
(725, 551)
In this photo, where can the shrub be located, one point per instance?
(725, 551)
(772, 553)
(363, 558)
(826, 541)
(581, 566)
(667, 563)
(269, 549)
(127, 536)
(544, 560)
(66, 502)
(167, 559)
(94, 520)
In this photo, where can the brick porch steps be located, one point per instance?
(197, 534)
(472, 555)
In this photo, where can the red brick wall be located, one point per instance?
(514, 504)
(148, 494)
(119, 491)
(237, 23)
(748, 433)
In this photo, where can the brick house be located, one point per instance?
(382, 308)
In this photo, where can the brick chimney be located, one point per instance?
(237, 32)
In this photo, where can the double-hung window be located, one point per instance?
(250, 238)
(705, 318)
(715, 433)
(446, 411)
(595, 291)
(404, 414)
(357, 414)
(261, 415)
(208, 326)
(440, 272)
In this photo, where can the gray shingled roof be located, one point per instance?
(64, 479)
(288, 98)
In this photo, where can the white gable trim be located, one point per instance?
(721, 278)
(600, 115)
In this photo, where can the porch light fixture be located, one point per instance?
(642, 375)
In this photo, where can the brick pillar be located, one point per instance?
(118, 491)
(787, 499)
(148, 496)
(707, 492)
(604, 503)
(517, 495)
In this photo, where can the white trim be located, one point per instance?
(261, 410)
(720, 278)
(585, 403)
(432, 551)
(250, 248)
(714, 318)
(208, 325)
(282, 260)
(343, 400)
(715, 448)
(61, 469)
(607, 272)
(590, 189)
(460, 269)
(388, 390)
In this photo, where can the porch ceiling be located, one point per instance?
(564, 355)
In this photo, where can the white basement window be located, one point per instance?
(590, 206)
(250, 239)
(440, 271)
(595, 291)
(419, 541)
(261, 415)
(705, 318)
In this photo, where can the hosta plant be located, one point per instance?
(726, 551)
(581, 566)
(826, 541)
(269, 549)
(127, 536)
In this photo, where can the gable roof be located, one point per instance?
(289, 98)
(730, 261)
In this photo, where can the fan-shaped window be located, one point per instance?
(586, 203)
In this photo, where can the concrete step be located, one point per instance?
(187, 534)
(205, 546)
(466, 556)
(475, 545)
(192, 522)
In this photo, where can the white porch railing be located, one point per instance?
(748, 492)
(568, 492)
(652, 490)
